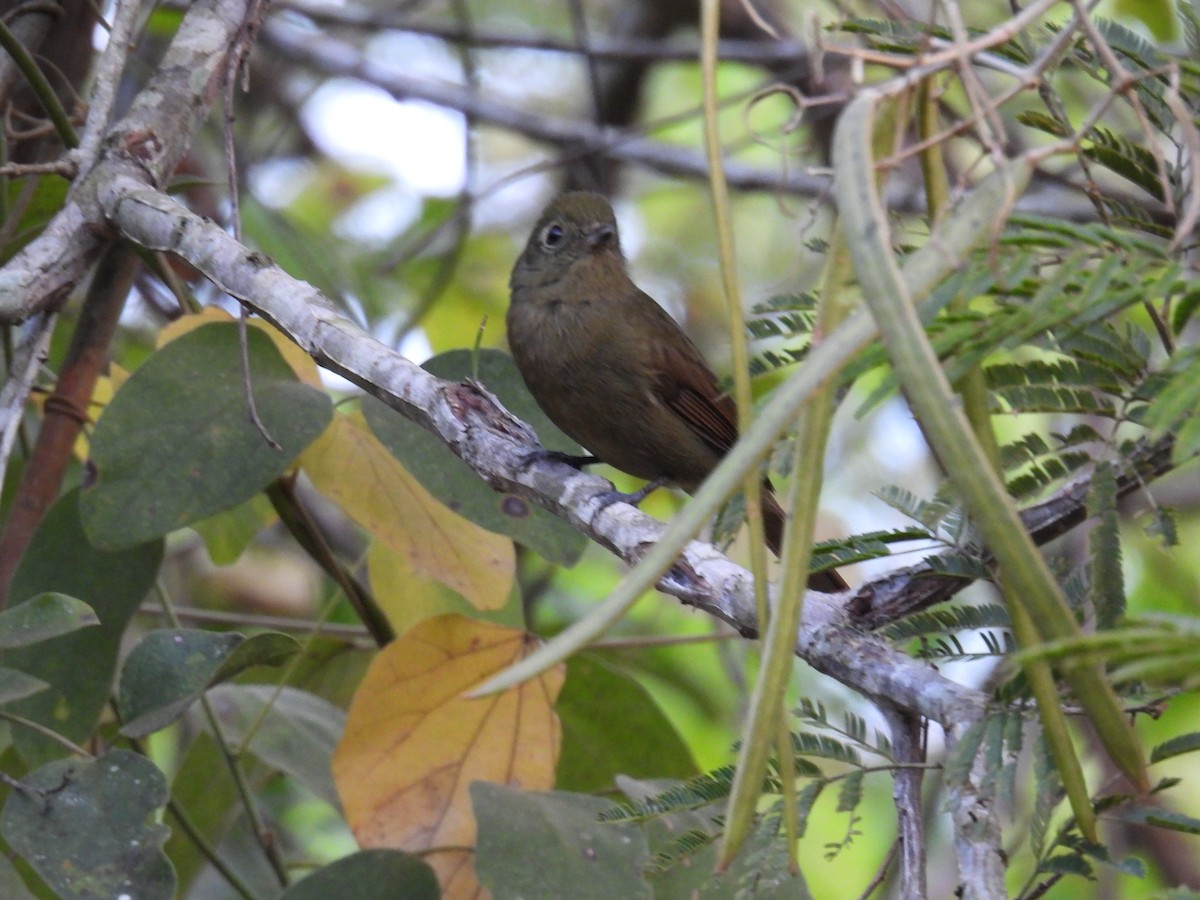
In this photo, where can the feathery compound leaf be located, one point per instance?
(949, 620)
(680, 849)
(805, 801)
(1049, 793)
(1176, 746)
(956, 768)
(1162, 525)
(1174, 409)
(1104, 548)
(850, 793)
(825, 747)
(1127, 159)
(940, 515)
(691, 794)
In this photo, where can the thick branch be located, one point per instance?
(494, 443)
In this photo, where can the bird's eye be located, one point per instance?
(552, 236)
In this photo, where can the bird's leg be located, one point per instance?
(575, 461)
(608, 498)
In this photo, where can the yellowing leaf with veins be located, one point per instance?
(302, 364)
(350, 466)
(408, 598)
(413, 744)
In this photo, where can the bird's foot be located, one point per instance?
(608, 498)
(575, 461)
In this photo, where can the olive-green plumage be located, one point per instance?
(610, 367)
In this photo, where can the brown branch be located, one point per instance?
(66, 409)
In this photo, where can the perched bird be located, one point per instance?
(611, 368)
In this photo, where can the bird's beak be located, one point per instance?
(600, 236)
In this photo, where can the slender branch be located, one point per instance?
(344, 59)
(108, 80)
(764, 52)
(906, 794)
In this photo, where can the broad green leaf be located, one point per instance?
(290, 730)
(43, 617)
(612, 726)
(12, 887)
(303, 365)
(350, 466)
(79, 666)
(413, 743)
(1157, 15)
(227, 534)
(176, 444)
(89, 828)
(208, 799)
(369, 875)
(454, 483)
(16, 685)
(170, 668)
(551, 845)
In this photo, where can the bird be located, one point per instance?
(612, 369)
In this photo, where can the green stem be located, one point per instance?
(39, 85)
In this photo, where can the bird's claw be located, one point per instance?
(608, 498)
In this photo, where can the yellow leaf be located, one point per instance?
(407, 598)
(350, 466)
(302, 364)
(413, 744)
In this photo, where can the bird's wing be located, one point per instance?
(687, 386)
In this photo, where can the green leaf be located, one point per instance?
(370, 875)
(88, 827)
(170, 668)
(43, 617)
(15, 685)
(1104, 548)
(12, 886)
(1159, 817)
(290, 730)
(551, 845)
(702, 790)
(685, 853)
(79, 666)
(612, 726)
(455, 484)
(850, 793)
(176, 444)
(1157, 15)
(1176, 746)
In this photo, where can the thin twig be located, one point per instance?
(107, 81)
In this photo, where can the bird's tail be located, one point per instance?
(829, 581)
